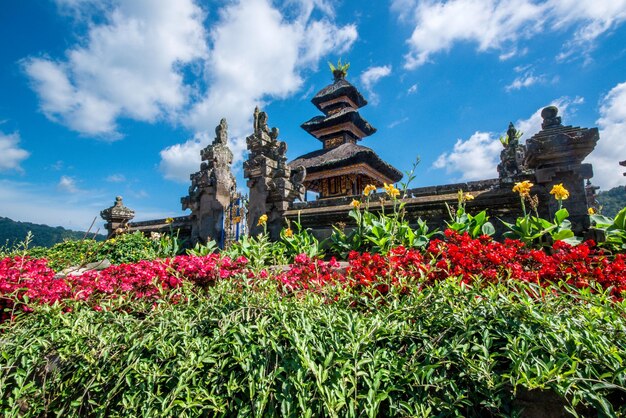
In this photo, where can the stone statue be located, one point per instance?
(511, 157)
(221, 133)
(298, 175)
(511, 133)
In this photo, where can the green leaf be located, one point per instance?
(560, 215)
(620, 219)
(488, 229)
(562, 235)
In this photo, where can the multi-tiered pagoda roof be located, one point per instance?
(341, 167)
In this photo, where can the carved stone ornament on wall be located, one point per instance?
(512, 157)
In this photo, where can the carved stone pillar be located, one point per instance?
(117, 217)
(211, 189)
(273, 184)
(555, 154)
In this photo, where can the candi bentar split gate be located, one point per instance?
(341, 169)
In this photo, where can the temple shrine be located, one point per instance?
(341, 167)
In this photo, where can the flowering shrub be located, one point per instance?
(488, 260)
(472, 260)
(25, 279)
(310, 274)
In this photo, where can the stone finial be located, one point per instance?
(550, 118)
(117, 216)
(117, 211)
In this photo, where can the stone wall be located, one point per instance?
(182, 224)
(426, 203)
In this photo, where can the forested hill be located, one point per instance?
(612, 201)
(12, 232)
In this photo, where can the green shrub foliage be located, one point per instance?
(447, 350)
(68, 253)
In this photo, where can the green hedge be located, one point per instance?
(444, 351)
(127, 248)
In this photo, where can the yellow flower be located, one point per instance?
(559, 192)
(468, 197)
(112, 241)
(288, 233)
(169, 221)
(262, 220)
(591, 211)
(523, 188)
(369, 189)
(355, 203)
(391, 190)
(236, 219)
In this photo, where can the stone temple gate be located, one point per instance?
(339, 171)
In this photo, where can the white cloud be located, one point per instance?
(67, 184)
(116, 178)
(501, 24)
(321, 37)
(398, 122)
(11, 155)
(305, 8)
(249, 66)
(131, 62)
(474, 159)
(130, 66)
(611, 147)
(180, 160)
(371, 76)
(525, 80)
(477, 157)
(513, 52)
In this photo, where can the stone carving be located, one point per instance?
(211, 189)
(117, 217)
(591, 194)
(273, 184)
(511, 157)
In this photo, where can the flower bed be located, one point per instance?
(24, 279)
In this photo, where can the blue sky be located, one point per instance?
(117, 97)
